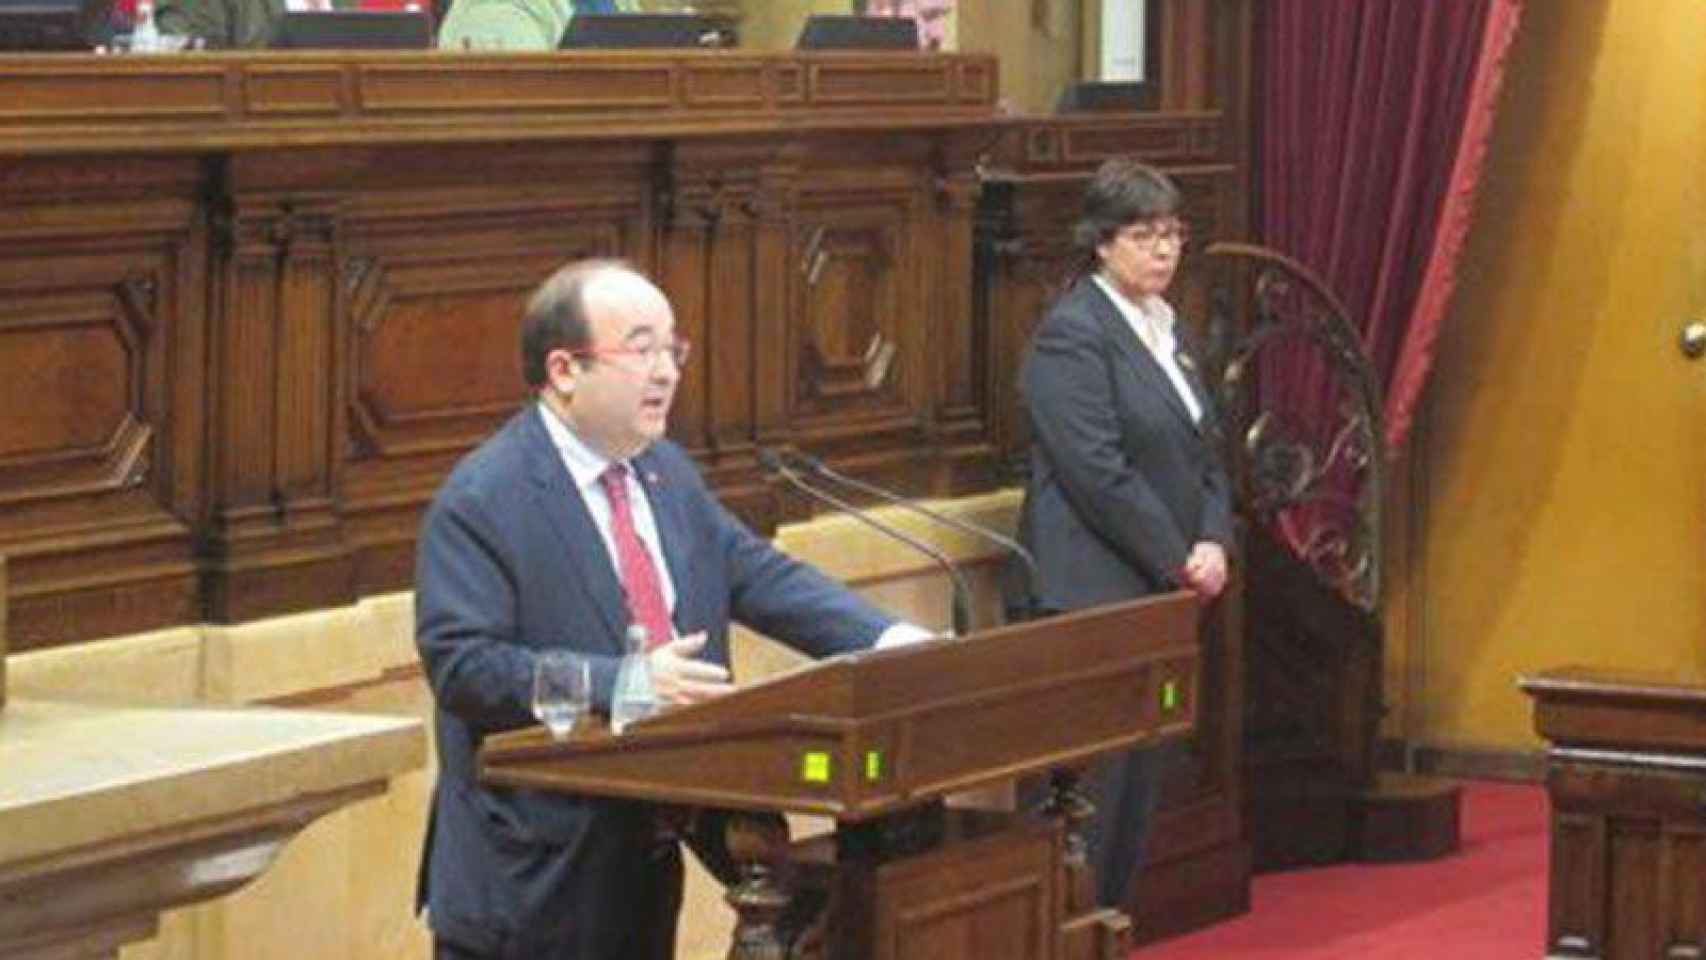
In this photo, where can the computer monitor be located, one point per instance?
(834, 31)
(354, 30)
(51, 25)
(643, 31)
(1099, 96)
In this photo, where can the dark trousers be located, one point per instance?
(652, 939)
(1126, 789)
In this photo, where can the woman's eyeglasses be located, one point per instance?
(1146, 236)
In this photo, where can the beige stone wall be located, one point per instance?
(343, 889)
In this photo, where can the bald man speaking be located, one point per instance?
(575, 520)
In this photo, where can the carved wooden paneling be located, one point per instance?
(1626, 780)
(258, 339)
(436, 275)
(725, 223)
(845, 334)
(274, 541)
(93, 286)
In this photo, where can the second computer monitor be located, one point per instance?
(831, 31)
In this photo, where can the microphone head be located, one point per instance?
(811, 463)
(768, 459)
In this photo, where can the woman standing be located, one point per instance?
(1127, 494)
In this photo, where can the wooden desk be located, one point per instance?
(1626, 773)
(259, 303)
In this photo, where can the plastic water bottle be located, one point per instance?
(634, 697)
(145, 36)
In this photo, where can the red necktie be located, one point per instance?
(640, 581)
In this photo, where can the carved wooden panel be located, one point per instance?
(92, 493)
(997, 902)
(1626, 780)
(846, 299)
(436, 275)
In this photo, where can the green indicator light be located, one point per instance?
(1170, 696)
(814, 766)
(873, 765)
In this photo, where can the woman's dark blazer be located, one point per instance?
(1122, 482)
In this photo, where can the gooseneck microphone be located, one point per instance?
(961, 593)
(818, 468)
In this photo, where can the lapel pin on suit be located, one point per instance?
(1184, 360)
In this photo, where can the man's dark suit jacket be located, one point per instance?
(1122, 485)
(509, 563)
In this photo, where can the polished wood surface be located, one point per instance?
(866, 734)
(259, 304)
(876, 740)
(1626, 774)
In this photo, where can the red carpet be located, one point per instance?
(1486, 902)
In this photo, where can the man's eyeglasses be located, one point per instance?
(1146, 236)
(645, 358)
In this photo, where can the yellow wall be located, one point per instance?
(1038, 60)
(774, 24)
(1559, 486)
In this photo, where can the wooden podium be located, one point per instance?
(1626, 776)
(875, 740)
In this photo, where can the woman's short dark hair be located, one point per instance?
(555, 318)
(1122, 192)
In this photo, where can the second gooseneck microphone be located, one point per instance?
(772, 463)
(818, 468)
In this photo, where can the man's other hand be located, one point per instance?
(678, 678)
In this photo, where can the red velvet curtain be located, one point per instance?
(1374, 121)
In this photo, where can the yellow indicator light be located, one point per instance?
(873, 765)
(815, 767)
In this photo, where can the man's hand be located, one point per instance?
(1205, 569)
(677, 678)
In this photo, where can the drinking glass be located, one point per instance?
(562, 690)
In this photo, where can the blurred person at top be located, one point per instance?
(238, 24)
(517, 24)
(932, 17)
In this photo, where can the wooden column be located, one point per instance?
(3, 646)
(275, 540)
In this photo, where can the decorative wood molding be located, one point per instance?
(235, 101)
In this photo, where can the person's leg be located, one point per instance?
(1125, 789)
(661, 896)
